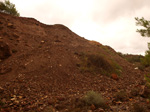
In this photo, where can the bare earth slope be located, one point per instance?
(39, 67)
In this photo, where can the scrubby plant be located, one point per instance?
(145, 32)
(146, 60)
(135, 59)
(146, 93)
(94, 98)
(97, 63)
(94, 63)
(120, 54)
(131, 58)
(147, 77)
(8, 8)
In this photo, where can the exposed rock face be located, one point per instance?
(4, 50)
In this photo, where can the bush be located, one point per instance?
(146, 60)
(96, 63)
(147, 77)
(94, 98)
(8, 8)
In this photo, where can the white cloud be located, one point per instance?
(110, 22)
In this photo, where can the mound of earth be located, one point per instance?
(45, 68)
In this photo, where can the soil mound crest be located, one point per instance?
(49, 63)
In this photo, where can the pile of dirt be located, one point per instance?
(40, 68)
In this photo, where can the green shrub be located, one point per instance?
(131, 58)
(96, 63)
(94, 98)
(135, 59)
(146, 60)
(147, 77)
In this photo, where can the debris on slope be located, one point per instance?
(43, 70)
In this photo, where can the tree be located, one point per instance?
(8, 8)
(144, 33)
(146, 24)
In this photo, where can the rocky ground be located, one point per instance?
(40, 71)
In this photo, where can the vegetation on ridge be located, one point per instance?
(9, 8)
(144, 33)
(98, 64)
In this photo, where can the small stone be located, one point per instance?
(89, 110)
(20, 97)
(1, 90)
(42, 41)
(101, 110)
(15, 35)
(10, 25)
(13, 99)
(114, 76)
(92, 107)
(147, 101)
(136, 68)
(17, 102)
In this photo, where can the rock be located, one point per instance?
(42, 41)
(136, 68)
(1, 90)
(90, 111)
(57, 41)
(114, 108)
(10, 25)
(15, 35)
(101, 110)
(114, 76)
(4, 50)
(60, 98)
(92, 107)
(145, 92)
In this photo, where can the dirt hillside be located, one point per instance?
(43, 68)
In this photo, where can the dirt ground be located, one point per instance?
(39, 70)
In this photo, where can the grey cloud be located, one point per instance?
(117, 8)
(103, 13)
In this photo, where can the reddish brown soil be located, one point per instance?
(41, 73)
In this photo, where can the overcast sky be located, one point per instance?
(110, 22)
